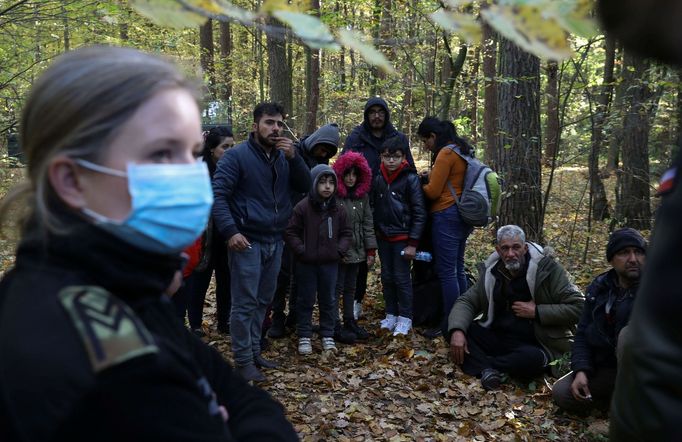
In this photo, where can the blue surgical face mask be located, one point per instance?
(171, 204)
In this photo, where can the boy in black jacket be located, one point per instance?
(399, 218)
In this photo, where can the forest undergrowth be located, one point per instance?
(400, 389)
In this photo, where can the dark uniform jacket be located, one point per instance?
(597, 334)
(91, 350)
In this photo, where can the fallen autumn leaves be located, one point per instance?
(400, 389)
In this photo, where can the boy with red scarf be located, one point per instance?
(399, 219)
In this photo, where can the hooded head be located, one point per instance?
(377, 115)
(324, 142)
(353, 160)
(317, 174)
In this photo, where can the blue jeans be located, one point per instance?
(320, 280)
(449, 236)
(395, 278)
(253, 280)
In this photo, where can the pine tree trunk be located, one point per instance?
(519, 110)
(206, 57)
(490, 120)
(278, 70)
(552, 129)
(226, 70)
(600, 205)
(634, 203)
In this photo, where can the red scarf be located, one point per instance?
(390, 177)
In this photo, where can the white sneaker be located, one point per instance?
(328, 344)
(357, 310)
(389, 322)
(305, 347)
(402, 326)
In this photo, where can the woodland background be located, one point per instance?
(580, 141)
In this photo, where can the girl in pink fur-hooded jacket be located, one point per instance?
(354, 182)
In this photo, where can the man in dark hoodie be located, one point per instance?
(316, 148)
(252, 190)
(376, 128)
(367, 139)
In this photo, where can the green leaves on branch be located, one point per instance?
(541, 27)
(354, 40)
(168, 13)
(309, 29)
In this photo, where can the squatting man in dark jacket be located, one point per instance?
(529, 310)
(603, 326)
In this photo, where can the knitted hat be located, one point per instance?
(622, 238)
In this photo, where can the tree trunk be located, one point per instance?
(312, 80)
(600, 205)
(616, 123)
(678, 115)
(552, 129)
(226, 69)
(519, 110)
(472, 96)
(634, 206)
(490, 121)
(453, 68)
(206, 57)
(278, 70)
(67, 33)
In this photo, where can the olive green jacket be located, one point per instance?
(559, 302)
(360, 218)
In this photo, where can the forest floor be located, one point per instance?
(398, 389)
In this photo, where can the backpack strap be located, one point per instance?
(110, 330)
(455, 149)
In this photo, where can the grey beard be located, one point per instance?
(513, 266)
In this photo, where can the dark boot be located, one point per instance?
(251, 373)
(491, 379)
(224, 329)
(277, 330)
(261, 362)
(344, 336)
(360, 333)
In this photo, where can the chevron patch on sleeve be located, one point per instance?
(110, 330)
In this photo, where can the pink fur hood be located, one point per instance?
(345, 162)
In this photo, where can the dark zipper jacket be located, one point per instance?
(597, 334)
(253, 192)
(91, 350)
(399, 208)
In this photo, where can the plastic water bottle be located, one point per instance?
(420, 256)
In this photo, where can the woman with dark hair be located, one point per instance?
(214, 252)
(449, 232)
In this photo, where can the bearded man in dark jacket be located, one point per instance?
(376, 128)
(602, 327)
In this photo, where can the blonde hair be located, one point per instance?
(75, 108)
